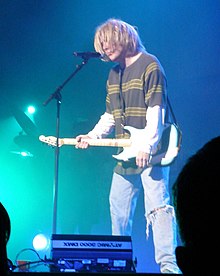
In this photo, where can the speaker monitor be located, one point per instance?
(91, 253)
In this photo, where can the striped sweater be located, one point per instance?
(130, 93)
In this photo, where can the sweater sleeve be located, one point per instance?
(103, 128)
(155, 124)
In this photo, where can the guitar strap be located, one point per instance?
(173, 121)
(122, 103)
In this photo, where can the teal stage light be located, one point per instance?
(41, 242)
(31, 109)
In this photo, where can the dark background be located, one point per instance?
(38, 38)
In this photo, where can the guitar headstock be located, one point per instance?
(50, 140)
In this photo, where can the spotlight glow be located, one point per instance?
(26, 154)
(31, 109)
(41, 242)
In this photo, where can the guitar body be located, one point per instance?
(166, 153)
(168, 146)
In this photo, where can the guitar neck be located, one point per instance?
(98, 142)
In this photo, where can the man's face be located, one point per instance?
(113, 51)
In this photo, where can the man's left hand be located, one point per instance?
(142, 159)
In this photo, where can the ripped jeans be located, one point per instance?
(158, 211)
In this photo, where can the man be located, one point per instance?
(136, 97)
(196, 200)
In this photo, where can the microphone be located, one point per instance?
(87, 55)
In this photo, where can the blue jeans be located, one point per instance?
(158, 211)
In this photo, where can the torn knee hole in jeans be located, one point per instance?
(152, 215)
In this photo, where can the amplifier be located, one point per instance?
(91, 253)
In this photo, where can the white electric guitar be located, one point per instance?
(168, 147)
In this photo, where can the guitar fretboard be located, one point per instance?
(98, 142)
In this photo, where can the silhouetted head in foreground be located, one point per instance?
(5, 229)
(196, 201)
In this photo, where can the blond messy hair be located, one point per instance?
(118, 32)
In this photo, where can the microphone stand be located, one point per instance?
(58, 97)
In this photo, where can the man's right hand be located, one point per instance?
(81, 142)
